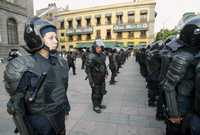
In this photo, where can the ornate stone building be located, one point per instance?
(13, 15)
(122, 24)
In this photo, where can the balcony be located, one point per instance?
(79, 31)
(84, 30)
(130, 27)
(70, 32)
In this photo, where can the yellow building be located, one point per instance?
(123, 24)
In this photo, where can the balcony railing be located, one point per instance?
(84, 30)
(70, 31)
(130, 27)
(80, 30)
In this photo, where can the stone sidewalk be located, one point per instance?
(127, 111)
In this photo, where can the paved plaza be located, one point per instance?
(127, 111)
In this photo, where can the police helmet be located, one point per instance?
(33, 33)
(190, 32)
(97, 43)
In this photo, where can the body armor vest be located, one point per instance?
(51, 96)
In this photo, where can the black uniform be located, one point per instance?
(179, 83)
(83, 58)
(37, 85)
(113, 65)
(96, 71)
(71, 62)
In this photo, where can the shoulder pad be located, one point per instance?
(185, 55)
(63, 62)
(91, 56)
(14, 71)
(174, 45)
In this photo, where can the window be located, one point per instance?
(62, 34)
(62, 40)
(70, 25)
(88, 37)
(108, 34)
(142, 43)
(62, 25)
(12, 31)
(70, 38)
(119, 35)
(98, 21)
(130, 35)
(143, 16)
(62, 47)
(108, 20)
(98, 34)
(143, 34)
(79, 37)
(78, 23)
(131, 18)
(119, 19)
(88, 22)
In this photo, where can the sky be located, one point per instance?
(169, 12)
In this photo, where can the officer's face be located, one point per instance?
(98, 50)
(50, 40)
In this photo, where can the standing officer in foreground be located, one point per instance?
(179, 83)
(97, 72)
(37, 83)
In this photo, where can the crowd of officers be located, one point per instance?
(36, 78)
(96, 68)
(172, 72)
(116, 58)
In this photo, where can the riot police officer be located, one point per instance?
(194, 27)
(83, 58)
(97, 72)
(179, 80)
(113, 65)
(71, 62)
(37, 83)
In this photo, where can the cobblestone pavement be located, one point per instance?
(127, 112)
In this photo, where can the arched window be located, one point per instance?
(12, 31)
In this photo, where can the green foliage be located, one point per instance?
(164, 33)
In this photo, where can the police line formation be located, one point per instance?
(172, 72)
(36, 78)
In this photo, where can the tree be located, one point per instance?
(165, 33)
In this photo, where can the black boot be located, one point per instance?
(102, 106)
(112, 82)
(97, 109)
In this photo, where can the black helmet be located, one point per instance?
(97, 43)
(32, 33)
(190, 33)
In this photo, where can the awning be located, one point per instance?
(110, 44)
(130, 44)
(83, 45)
(120, 44)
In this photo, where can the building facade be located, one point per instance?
(120, 24)
(13, 15)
